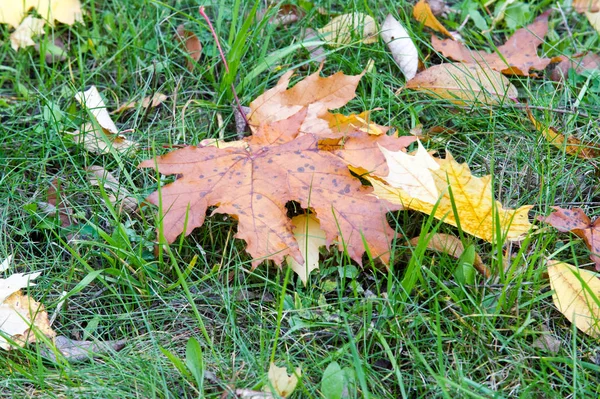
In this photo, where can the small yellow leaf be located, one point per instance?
(339, 31)
(594, 18)
(422, 13)
(412, 173)
(18, 314)
(576, 293)
(310, 237)
(23, 35)
(280, 382)
(464, 84)
(473, 200)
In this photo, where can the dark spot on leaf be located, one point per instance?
(259, 196)
(300, 169)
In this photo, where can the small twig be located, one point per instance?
(212, 30)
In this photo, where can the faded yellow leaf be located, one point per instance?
(464, 84)
(310, 237)
(280, 382)
(473, 199)
(594, 18)
(120, 195)
(23, 35)
(100, 141)
(339, 31)
(576, 294)
(149, 101)
(65, 11)
(422, 13)
(412, 173)
(93, 102)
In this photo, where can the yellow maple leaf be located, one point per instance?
(472, 198)
(576, 293)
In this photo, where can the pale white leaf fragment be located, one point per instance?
(15, 282)
(92, 101)
(401, 46)
(23, 35)
(6, 263)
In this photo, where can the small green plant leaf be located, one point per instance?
(333, 382)
(195, 362)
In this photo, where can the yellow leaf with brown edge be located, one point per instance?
(572, 145)
(576, 295)
(476, 208)
(464, 84)
(422, 13)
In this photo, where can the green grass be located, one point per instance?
(411, 331)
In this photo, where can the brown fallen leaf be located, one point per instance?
(78, 351)
(119, 194)
(576, 295)
(464, 84)
(582, 6)
(286, 14)
(577, 222)
(317, 52)
(149, 101)
(191, 43)
(55, 199)
(579, 63)
(518, 56)
(422, 13)
(572, 146)
(452, 246)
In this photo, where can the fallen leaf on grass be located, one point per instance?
(464, 84)
(572, 147)
(54, 51)
(582, 6)
(547, 341)
(452, 246)
(79, 351)
(66, 11)
(518, 56)
(99, 139)
(577, 222)
(20, 314)
(341, 29)
(150, 101)
(192, 45)
(120, 195)
(576, 295)
(476, 208)
(23, 35)
(401, 46)
(412, 173)
(579, 63)
(280, 382)
(286, 14)
(594, 18)
(58, 205)
(317, 52)
(310, 238)
(5, 264)
(422, 13)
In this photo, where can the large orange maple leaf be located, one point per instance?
(254, 182)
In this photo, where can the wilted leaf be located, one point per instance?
(576, 295)
(594, 18)
(317, 52)
(280, 382)
(412, 173)
(150, 101)
(586, 5)
(464, 84)
(56, 200)
(577, 222)
(516, 57)
(65, 11)
(93, 102)
(120, 195)
(341, 29)
(5, 264)
(579, 63)
(23, 35)
(472, 196)
(192, 45)
(79, 351)
(286, 14)
(422, 13)
(452, 246)
(310, 238)
(401, 46)
(572, 147)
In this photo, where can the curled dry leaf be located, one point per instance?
(65, 11)
(58, 204)
(192, 45)
(572, 145)
(120, 195)
(78, 351)
(579, 63)
(412, 173)
(343, 28)
(518, 56)
(577, 222)
(452, 246)
(150, 101)
(477, 211)
(576, 295)
(317, 52)
(401, 46)
(464, 84)
(23, 35)
(582, 6)
(286, 14)
(280, 382)
(422, 13)
(310, 238)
